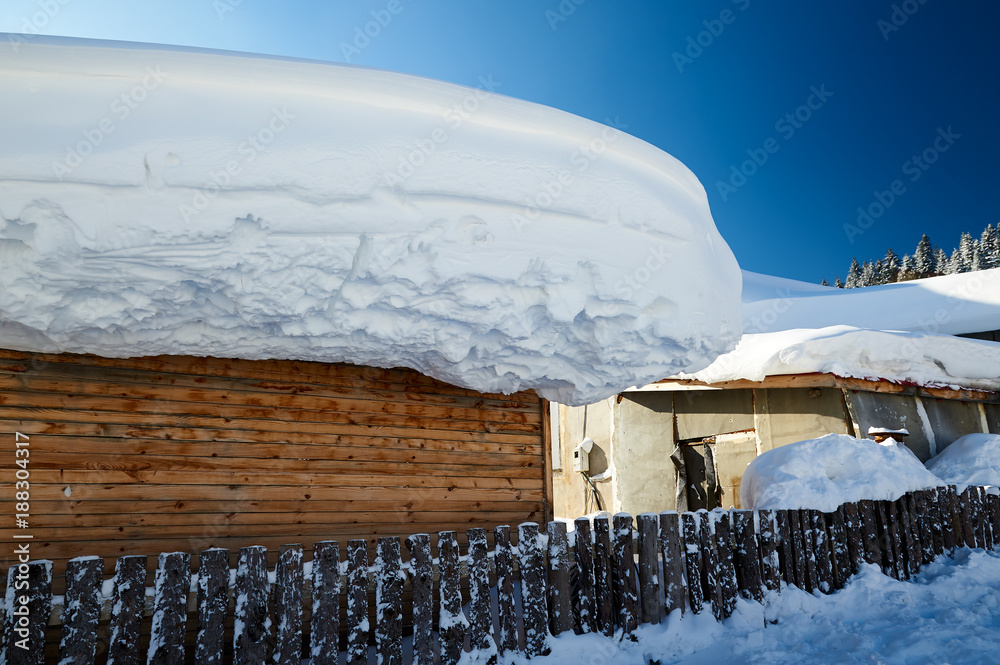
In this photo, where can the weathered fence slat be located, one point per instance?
(797, 528)
(388, 602)
(560, 607)
(980, 521)
(855, 539)
(649, 568)
(822, 551)
(911, 539)
(586, 618)
(504, 561)
(932, 503)
(126, 611)
(886, 545)
(672, 545)
(950, 520)
(710, 561)
(811, 576)
(358, 630)
(213, 602)
(167, 631)
(770, 562)
(78, 644)
(451, 621)
(28, 648)
(896, 542)
(535, 613)
(747, 555)
(692, 558)
(993, 505)
(725, 572)
(422, 575)
(783, 524)
(924, 525)
(603, 575)
(987, 522)
(870, 535)
(324, 622)
(480, 616)
(252, 631)
(840, 554)
(968, 526)
(288, 579)
(625, 582)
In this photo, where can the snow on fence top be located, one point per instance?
(162, 200)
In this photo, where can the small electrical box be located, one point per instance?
(581, 455)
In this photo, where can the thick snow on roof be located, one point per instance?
(159, 200)
(950, 304)
(973, 459)
(903, 357)
(834, 469)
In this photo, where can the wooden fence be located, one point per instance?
(693, 562)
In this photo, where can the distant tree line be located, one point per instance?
(926, 261)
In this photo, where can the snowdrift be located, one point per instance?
(973, 459)
(160, 200)
(926, 359)
(824, 473)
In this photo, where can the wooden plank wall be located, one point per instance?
(164, 454)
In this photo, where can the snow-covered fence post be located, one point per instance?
(532, 560)
(692, 559)
(388, 602)
(649, 568)
(603, 575)
(451, 623)
(324, 622)
(251, 621)
(855, 542)
(709, 561)
(288, 606)
(915, 544)
(504, 561)
(811, 577)
(39, 594)
(840, 551)
(822, 551)
(213, 602)
(968, 517)
(993, 510)
(798, 550)
(979, 517)
(358, 629)
(924, 524)
(725, 570)
(422, 575)
(126, 611)
(770, 562)
(560, 607)
(671, 544)
(934, 521)
(585, 575)
(951, 531)
(625, 582)
(747, 555)
(897, 536)
(167, 632)
(884, 532)
(783, 525)
(480, 617)
(870, 537)
(81, 610)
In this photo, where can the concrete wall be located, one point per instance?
(787, 415)
(642, 441)
(571, 496)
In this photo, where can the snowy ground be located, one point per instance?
(950, 613)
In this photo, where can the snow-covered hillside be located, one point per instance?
(161, 200)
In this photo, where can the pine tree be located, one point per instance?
(868, 277)
(954, 263)
(940, 262)
(837, 283)
(824, 282)
(966, 247)
(977, 262)
(905, 268)
(923, 258)
(853, 275)
(889, 270)
(989, 247)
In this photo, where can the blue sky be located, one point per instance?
(792, 116)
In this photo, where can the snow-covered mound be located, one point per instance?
(904, 357)
(973, 459)
(950, 304)
(159, 200)
(834, 469)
